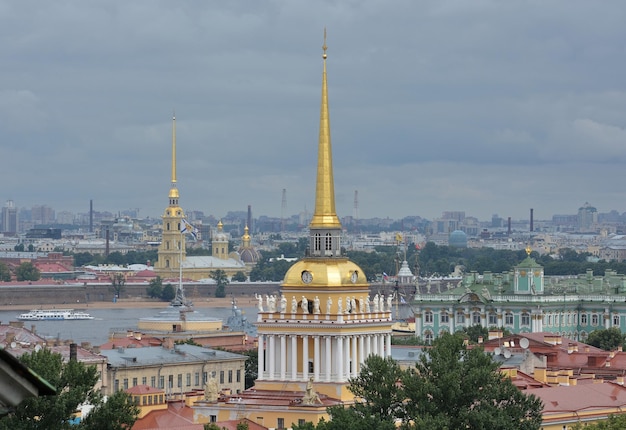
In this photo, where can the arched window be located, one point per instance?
(583, 319)
(167, 226)
(594, 319)
(476, 318)
(526, 319)
(460, 317)
(167, 263)
(445, 318)
(428, 317)
(508, 318)
(329, 242)
(428, 337)
(317, 242)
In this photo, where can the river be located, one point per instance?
(96, 331)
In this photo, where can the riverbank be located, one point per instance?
(207, 302)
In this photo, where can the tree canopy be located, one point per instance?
(221, 279)
(75, 385)
(451, 387)
(27, 272)
(607, 339)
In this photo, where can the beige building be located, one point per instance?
(177, 369)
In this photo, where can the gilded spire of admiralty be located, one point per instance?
(173, 190)
(325, 215)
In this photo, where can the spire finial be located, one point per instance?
(325, 215)
(174, 148)
(324, 47)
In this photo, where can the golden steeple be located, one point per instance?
(173, 190)
(324, 215)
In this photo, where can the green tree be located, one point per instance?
(251, 367)
(19, 247)
(239, 276)
(27, 272)
(5, 272)
(614, 422)
(168, 293)
(377, 388)
(155, 288)
(75, 384)
(476, 331)
(117, 283)
(451, 387)
(221, 280)
(455, 387)
(607, 339)
(119, 412)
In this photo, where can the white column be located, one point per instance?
(328, 361)
(355, 362)
(316, 358)
(346, 355)
(261, 354)
(283, 357)
(388, 345)
(381, 345)
(294, 357)
(340, 358)
(374, 344)
(305, 358)
(361, 349)
(368, 346)
(271, 368)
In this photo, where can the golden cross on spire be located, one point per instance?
(324, 47)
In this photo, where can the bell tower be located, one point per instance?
(172, 248)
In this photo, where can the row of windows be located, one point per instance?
(224, 376)
(157, 399)
(476, 318)
(572, 319)
(328, 242)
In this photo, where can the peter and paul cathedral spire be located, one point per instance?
(173, 190)
(172, 249)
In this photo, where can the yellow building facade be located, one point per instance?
(317, 333)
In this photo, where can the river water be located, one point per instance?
(96, 331)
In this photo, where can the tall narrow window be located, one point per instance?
(329, 242)
(318, 242)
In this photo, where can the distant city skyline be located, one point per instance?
(487, 107)
(62, 215)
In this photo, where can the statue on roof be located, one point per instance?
(310, 396)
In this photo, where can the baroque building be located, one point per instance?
(523, 301)
(173, 261)
(316, 334)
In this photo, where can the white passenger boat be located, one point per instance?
(54, 315)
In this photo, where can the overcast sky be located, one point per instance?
(482, 106)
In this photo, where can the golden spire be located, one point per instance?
(173, 190)
(324, 215)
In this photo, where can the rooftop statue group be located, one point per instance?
(272, 303)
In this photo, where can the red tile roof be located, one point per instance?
(177, 416)
(578, 398)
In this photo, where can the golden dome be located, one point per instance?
(325, 272)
